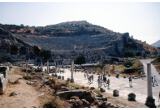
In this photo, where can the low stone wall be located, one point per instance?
(4, 70)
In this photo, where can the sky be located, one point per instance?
(140, 19)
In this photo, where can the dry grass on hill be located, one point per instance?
(156, 62)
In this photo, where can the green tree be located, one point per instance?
(14, 49)
(45, 54)
(128, 64)
(80, 60)
(23, 50)
(36, 50)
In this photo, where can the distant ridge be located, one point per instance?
(156, 44)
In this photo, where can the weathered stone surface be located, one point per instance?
(99, 95)
(85, 103)
(102, 105)
(76, 103)
(92, 88)
(82, 94)
(105, 99)
(49, 105)
(75, 97)
(105, 104)
(99, 98)
(102, 90)
(13, 94)
(63, 88)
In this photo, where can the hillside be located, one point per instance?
(156, 63)
(156, 44)
(9, 45)
(81, 37)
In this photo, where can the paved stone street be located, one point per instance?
(122, 84)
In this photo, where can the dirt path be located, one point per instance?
(26, 96)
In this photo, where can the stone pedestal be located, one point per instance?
(150, 102)
(115, 93)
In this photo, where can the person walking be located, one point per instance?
(99, 82)
(105, 81)
(92, 78)
(155, 81)
(89, 79)
(159, 97)
(108, 83)
(85, 75)
(142, 75)
(130, 82)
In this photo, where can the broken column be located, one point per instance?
(47, 67)
(150, 101)
(72, 69)
(26, 66)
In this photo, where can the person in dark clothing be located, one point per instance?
(155, 81)
(105, 81)
(130, 81)
(152, 82)
(99, 82)
(108, 83)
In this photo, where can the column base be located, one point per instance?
(150, 102)
(72, 80)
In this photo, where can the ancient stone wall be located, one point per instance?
(4, 70)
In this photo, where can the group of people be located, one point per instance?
(102, 80)
(89, 77)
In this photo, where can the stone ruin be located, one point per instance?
(3, 78)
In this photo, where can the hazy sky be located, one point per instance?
(142, 20)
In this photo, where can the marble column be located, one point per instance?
(72, 70)
(47, 67)
(149, 81)
(150, 101)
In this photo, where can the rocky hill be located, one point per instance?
(80, 37)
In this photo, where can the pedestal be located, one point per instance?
(72, 80)
(150, 102)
